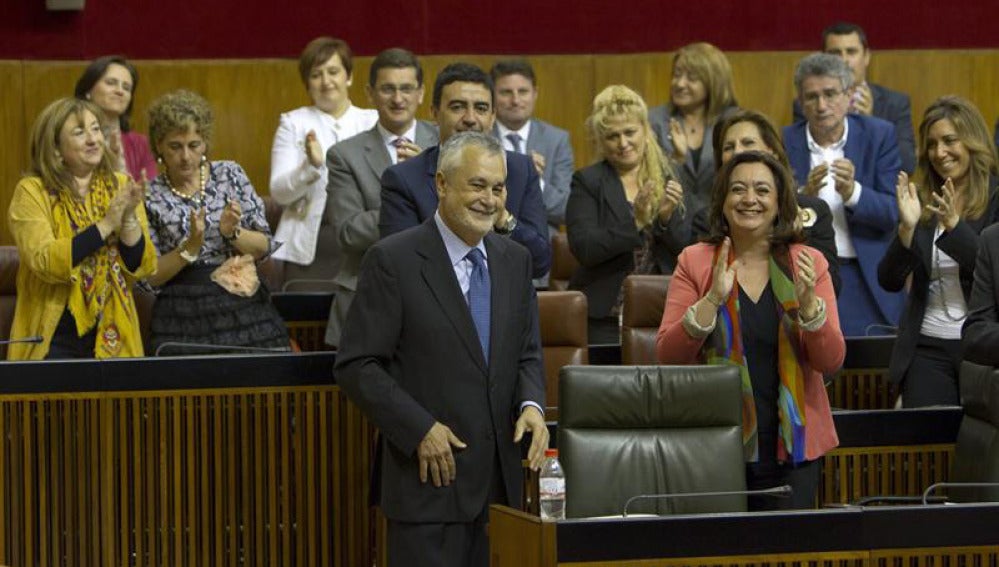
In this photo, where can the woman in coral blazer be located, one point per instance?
(752, 296)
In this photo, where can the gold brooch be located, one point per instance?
(807, 217)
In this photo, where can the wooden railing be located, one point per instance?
(270, 474)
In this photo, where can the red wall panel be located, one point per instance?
(268, 28)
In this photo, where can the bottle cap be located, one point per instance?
(551, 453)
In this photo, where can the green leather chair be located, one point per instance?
(631, 430)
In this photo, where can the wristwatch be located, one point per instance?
(507, 228)
(189, 257)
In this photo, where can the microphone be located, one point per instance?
(933, 487)
(783, 491)
(37, 339)
(215, 347)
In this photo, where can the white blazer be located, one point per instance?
(297, 184)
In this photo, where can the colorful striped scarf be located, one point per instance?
(724, 346)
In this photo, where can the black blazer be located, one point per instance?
(818, 229)
(602, 236)
(410, 356)
(898, 262)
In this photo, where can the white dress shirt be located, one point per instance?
(524, 132)
(828, 193)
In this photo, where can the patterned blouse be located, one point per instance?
(170, 214)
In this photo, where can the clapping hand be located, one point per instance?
(313, 149)
(230, 219)
(908, 208)
(539, 162)
(723, 276)
(816, 179)
(864, 101)
(842, 171)
(945, 205)
(672, 198)
(804, 287)
(196, 231)
(407, 150)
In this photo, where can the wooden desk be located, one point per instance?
(851, 537)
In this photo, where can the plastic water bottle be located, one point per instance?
(551, 487)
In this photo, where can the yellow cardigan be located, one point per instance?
(46, 272)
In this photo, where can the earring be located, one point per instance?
(204, 158)
(159, 160)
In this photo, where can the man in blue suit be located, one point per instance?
(463, 101)
(850, 161)
(849, 42)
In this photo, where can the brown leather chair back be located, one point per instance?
(564, 264)
(9, 262)
(642, 312)
(563, 338)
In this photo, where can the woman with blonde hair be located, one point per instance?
(625, 212)
(701, 93)
(940, 218)
(81, 233)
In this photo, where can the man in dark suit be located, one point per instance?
(443, 354)
(395, 89)
(851, 162)
(849, 42)
(516, 91)
(463, 101)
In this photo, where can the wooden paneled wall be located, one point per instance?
(249, 94)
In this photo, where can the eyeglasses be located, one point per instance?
(828, 95)
(390, 90)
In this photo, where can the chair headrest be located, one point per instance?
(650, 396)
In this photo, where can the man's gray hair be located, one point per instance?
(822, 65)
(450, 156)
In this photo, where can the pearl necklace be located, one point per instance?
(198, 196)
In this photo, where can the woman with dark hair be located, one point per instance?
(208, 225)
(748, 130)
(753, 297)
(81, 233)
(298, 159)
(110, 83)
(940, 218)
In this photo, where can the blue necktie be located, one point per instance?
(478, 297)
(515, 140)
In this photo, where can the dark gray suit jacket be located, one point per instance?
(553, 144)
(894, 107)
(354, 193)
(412, 357)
